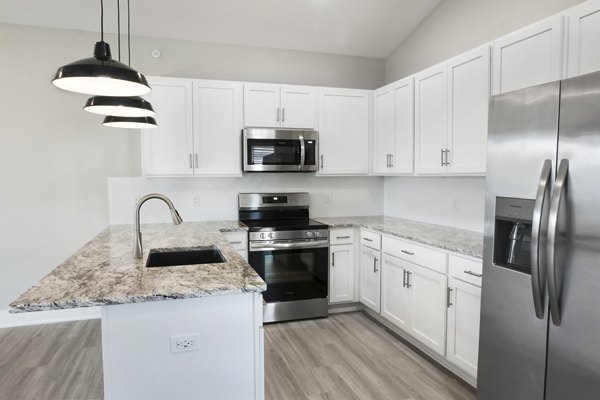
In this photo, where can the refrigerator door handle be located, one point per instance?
(538, 238)
(553, 278)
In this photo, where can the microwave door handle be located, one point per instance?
(302, 153)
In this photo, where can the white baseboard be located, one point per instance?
(8, 320)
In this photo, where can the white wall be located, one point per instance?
(456, 26)
(452, 201)
(55, 158)
(329, 196)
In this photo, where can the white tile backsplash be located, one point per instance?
(211, 199)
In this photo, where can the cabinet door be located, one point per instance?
(383, 129)
(217, 127)
(298, 107)
(428, 304)
(431, 122)
(529, 56)
(468, 98)
(463, 325)
(341, 274)
(370, 283)
(168, 149)
(395, 296)
(261, 105)
(343, 131)
(584, 31)
(404, 127)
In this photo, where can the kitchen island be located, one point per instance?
(189, 331)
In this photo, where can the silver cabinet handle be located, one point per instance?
(236, 242)
(283, 114)
(554, 280)
(408, 252)
(408, 285)
(342, 237)
(191, 165)
(196, 159)
(391, 161)
(449, 297)
(368, 240)
(404, 278)
(277, 114)
(447, 162)
(442, 157)
(332, 259)
(538, 236)
(321, 161)
(375, 265)
(473, 273)
(387, 160)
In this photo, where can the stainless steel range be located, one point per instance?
(289, 251)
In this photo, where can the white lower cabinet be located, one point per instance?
(395, 297)
(464, 304)
(341, 273)
(239, 241)
(428, 307)
(414, 299)
(463, 324)
(370, 277)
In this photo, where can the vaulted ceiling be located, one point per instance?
(367, 28)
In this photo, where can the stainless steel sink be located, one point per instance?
(184, 256)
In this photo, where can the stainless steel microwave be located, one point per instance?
(279, 150)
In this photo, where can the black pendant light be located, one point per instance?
(123, 112)
(100, 74)
(130, 122)
(119, 106)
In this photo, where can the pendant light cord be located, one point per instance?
(101, 20)
(128, 35)
(119, 26)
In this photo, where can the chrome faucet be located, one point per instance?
(137, 235)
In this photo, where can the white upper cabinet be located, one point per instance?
(343, 131)
(199, 127)
(277, 106)
(393, 123)
(217, 127)
(261, 105)
(431, 120)
(584, 32)
(528, 57)
(168, 149)
(468, 98)
(298, 107)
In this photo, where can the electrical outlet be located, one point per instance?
(196, 200)
(184, 343)
(328, 198)
(456, 204)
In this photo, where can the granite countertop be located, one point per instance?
(457, 240)
(103, 271)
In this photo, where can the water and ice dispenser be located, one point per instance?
(512, 233)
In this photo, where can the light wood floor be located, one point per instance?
(346, 356)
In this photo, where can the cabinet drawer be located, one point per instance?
(466, 269)
(370, 239)
(417, 254)
(238, 240)
(341, 236)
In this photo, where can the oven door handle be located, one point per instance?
(266, 246)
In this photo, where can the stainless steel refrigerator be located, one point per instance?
(540, 313)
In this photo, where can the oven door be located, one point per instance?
(292, 270)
